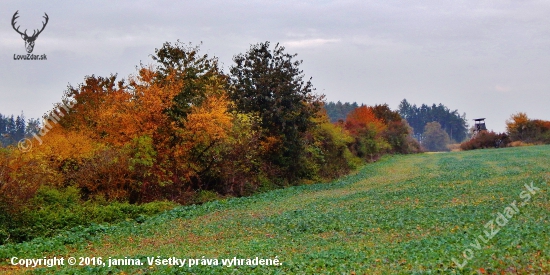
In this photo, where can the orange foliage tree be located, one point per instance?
(115, 112)
(367, 130)
(362, 117)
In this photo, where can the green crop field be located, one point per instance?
(445, 213)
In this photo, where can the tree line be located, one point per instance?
(183, 130)
(454, 124)
(13, 129)
(434, 126)
(339, 111)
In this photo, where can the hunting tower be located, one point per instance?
(479, 126)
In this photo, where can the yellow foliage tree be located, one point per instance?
(205, 129)
(516, 125)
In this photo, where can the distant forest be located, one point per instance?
(13, 129)
(452, 122)
(339, 111)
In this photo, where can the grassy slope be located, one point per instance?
(404, 214)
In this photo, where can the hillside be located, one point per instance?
(402, 214)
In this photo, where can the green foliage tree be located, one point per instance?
(269, 82)
(435, 138)
(195, 70)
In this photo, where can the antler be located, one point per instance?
(13, 24)
(35, 34)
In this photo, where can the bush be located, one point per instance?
(55, 209)
(21, 175)
(203, 196)
(107, 174)
(521, 128)
(486, 139)
(545, 137)
(329, 150)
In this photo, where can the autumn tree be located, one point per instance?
(268, 82)
(518, 126)
(199, 115)
(362, 117)
(399, 135)
(521, 128)
(96, 108)
(367, 130)
(202, 136)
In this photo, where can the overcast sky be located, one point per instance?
(485, 58)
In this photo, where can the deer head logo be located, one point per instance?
(29, 40)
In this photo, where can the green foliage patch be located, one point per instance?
(53, 210)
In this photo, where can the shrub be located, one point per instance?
(21, 175)
(203, 196)
(486, 139)
(55, 209)
(329, 150)
(107, 173)
(521, 128)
